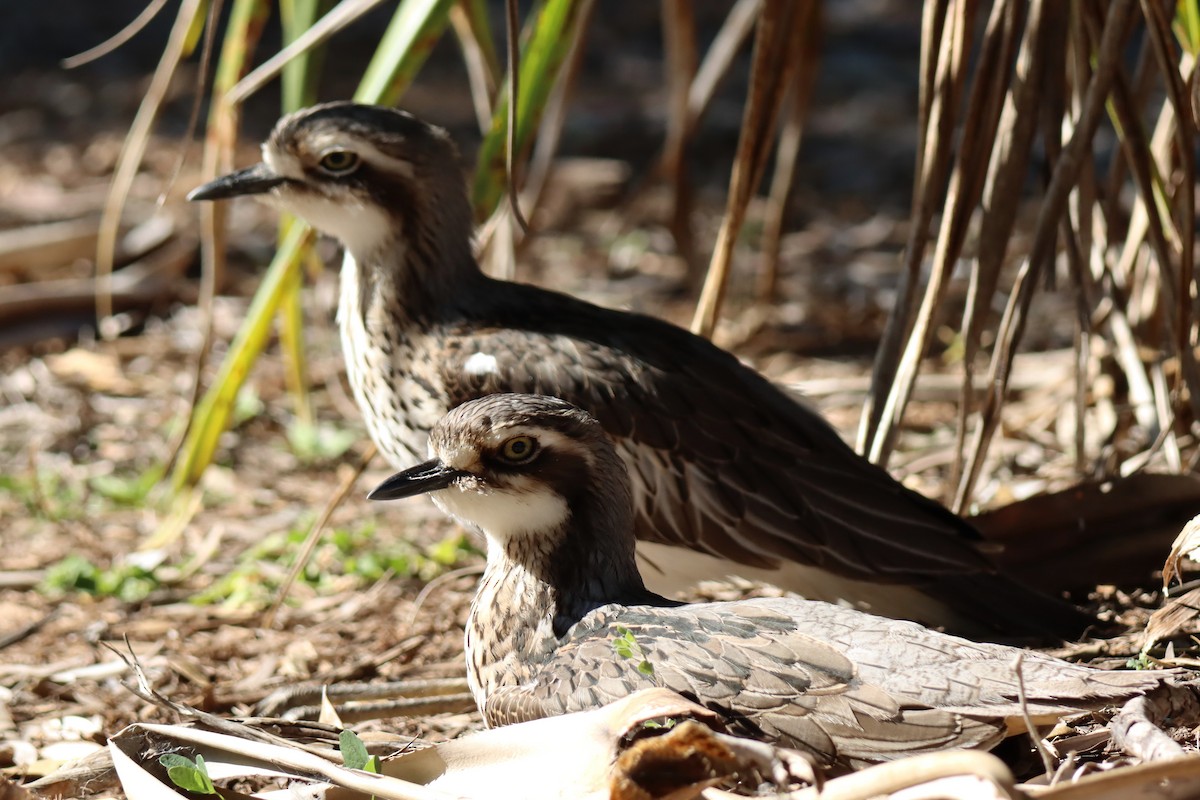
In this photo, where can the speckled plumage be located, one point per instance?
(846, 687)
(723, 462)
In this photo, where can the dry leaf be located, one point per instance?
(681, 763)
(570, 756)
(1187, 543)
(97, 372)
(1160, 780)
(1172, 618)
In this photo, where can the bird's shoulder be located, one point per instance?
(692, 421)
(622, 366)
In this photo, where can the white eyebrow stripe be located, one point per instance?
(364, 150)
(396, 166)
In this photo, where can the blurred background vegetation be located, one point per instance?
(1054, 147)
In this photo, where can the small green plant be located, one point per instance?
(246, 406)
(258, 570)
(46, 495)
(316, 442)
(127, 490)
(665, 725)
(129, 582)
(189, 775)
(1141, 661)
(354, 753)
(355, 551)
(626, 646)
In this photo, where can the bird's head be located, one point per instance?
(519, 467)
(362, 174)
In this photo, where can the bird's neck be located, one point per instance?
(535, 588)
(407, 279)
(390, 297)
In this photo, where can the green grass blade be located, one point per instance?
(547, 41)
(473, 29)
(414, 30)
(196, 30)
(1187, 25)
(298, 82)
(476, 12)
(212, 415)
(291, 335)
(246, 22)
(247, 18)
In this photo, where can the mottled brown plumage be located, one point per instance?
(730, 474)
(561, 588)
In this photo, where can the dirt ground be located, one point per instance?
(87, 425)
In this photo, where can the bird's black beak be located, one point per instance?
(258, 179)
(427, 477)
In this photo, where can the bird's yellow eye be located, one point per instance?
(518, 449)
(339, 162)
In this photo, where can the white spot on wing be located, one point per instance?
(480, 364)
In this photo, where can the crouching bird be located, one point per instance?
(731, 475)
(563, 622)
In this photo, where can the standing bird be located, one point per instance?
(562, 622)
(731, 474)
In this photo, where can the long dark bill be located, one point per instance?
(253, 180)
(427, 477)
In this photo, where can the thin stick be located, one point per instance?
(314, 533)
(1043, 751)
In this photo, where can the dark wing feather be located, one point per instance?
(722, 460)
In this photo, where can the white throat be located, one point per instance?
(504, 515)
(362, 228)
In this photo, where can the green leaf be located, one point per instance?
(547, 41)
(291, 343)
(187, 774)
(73, 573)
(479, 22)
(1140, 661)
(319, 442)
(246, 406)
(450, 550)
(212, 414)
(298, 81)
(127, 490)
(175, 760)
(414, 30)
(1187, 25)
(354, 752)
(195, 29)
(247, 18)
(625, 645)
